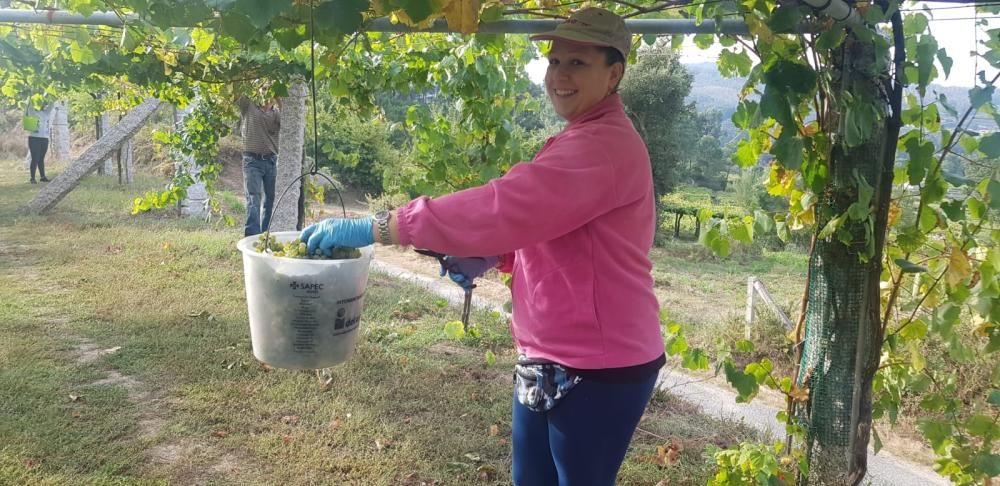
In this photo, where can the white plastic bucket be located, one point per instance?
(304, 314)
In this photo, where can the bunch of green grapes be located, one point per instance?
(298, 249)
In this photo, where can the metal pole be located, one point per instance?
(62, 17)
(382, 24)
(836, 9)
(636, 26)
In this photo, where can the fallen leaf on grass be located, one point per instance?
(30, 464)
(74, 398)
(473, 457)
(668, 455)
(382, 444)
(220, 433)
(486, 472)
(494, 430)
(76, 414)
(327, 385)
(286, 439)
(334, 424)
(663, 482)
(290, 419)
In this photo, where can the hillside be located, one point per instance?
(711, 90)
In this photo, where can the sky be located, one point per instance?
(953, 26)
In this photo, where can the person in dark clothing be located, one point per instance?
(37, 124)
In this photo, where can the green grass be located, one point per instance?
(181, 399)
(702, 290)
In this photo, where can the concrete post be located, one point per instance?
(292, 139)
(59, 141)
(196, 202)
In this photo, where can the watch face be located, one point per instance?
(382, 216)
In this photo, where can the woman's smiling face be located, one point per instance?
(578, 77)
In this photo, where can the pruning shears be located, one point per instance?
(467, 306)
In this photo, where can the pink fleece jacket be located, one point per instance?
(575, 226)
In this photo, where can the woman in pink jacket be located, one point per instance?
(574, 228)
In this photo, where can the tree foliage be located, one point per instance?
(653, 91)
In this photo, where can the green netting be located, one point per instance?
(841, 315)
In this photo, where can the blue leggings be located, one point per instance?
(583, 440)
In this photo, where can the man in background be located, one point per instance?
(259, 126)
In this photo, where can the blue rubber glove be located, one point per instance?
(350, 233)
(464, 270)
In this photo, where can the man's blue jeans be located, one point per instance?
(259, 174)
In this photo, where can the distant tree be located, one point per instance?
(653, 91)
(706, 162)
(356, 147)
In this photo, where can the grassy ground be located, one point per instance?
(708, 295)
(125, 358)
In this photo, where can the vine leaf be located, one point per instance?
(979, 96)
(260, 12)
(909, 267)
(785, 19)
(994, 398)
(990, 145)
(762, 223)
(454, 329)
(695, 359)
(993, 192)
(239, 27)
(921, 155)
(830, 227)
(343, 15)
(937, 432)
(988, 463)
(958, 267)
(791, 77)
(462, 15)
(946, 62)
(202, 40)
(416, 12)
(745, 384)
(831, 39)
(788, 150)
(774, 103)
(954, 210)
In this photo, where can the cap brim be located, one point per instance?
(569, 36)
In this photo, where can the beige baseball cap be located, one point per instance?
(592, 26)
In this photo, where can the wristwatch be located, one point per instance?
(382, 221)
